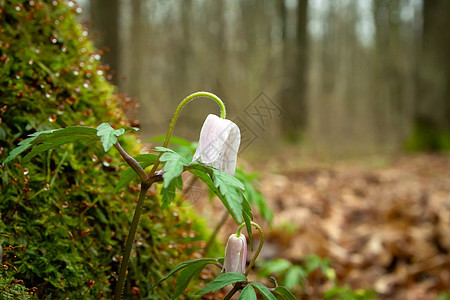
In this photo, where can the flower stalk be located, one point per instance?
(223, 114)
(241, 284)
(146, 183)
(261, 243)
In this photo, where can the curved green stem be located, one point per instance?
(185, 101)
(261, 243)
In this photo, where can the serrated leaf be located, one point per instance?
(226, 187)
(131, 128)
(198, 261)
(23, 145)
(247, 216)
(174, 164)
(226, 180)
(207, 179)
(145, 160)
(248, 226)
(168, 193)
(108, 135)
(49, 139)
(173, 167)
(221, 281)
(283, 293)
(248, 293)
(263, 290)
(231, 188)
(246, 207)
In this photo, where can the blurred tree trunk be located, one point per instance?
(389, 57)
(434, 78)
(105, 21)
(183, 51)
(293, 102)
(137, 50)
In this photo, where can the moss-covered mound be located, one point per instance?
(62, 227)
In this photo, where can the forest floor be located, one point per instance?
(383, 223)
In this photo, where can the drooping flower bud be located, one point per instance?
(218, 144)
(236, 254)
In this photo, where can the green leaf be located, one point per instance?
(283, 293)
(189, 263)
(108, 135)
(168, 193)
(23, 145)
(129, 174)
(277, 265)
(226, 180)
(248, 226)
(131, 128)
(221, 281)
(231, 188)
(227, 188)
(314, 262)
(185, 277)
(202, 172)
(263, 290)
(248, 293)
(294, 276)
(49, 139)
(174, 165)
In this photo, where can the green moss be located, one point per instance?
(62, 227)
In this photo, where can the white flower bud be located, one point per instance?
(218, 144)
(236, 254)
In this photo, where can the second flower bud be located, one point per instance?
(236, 254)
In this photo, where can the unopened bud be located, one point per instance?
(236, 254)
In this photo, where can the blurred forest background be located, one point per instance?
(344, 76)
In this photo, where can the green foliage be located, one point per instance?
(283, 293)
(263, 290)
(145, 160)
(248, 293)
(190, 269)
(444, 296)
(346, 293)
(45, 140)
(248, 180)
(427, 136)
(294, 276)
(174, 164)
(291, 275)
(221, 281)
(59, 213)
(108, 135)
